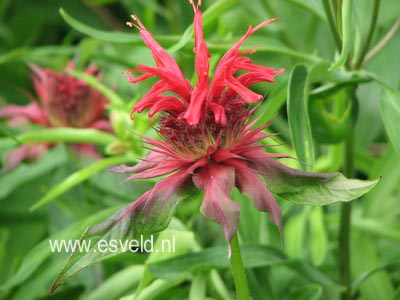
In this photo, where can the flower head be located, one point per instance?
(207, 136)
(64, 101)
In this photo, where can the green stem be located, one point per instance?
(239, 275)
(345, 225)
(67, 135)
(383, 42)
(371, 31)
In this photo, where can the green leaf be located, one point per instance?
(25, 172)
(115, 37)
(34, 258)
(390, 112)
(347, 38)
(198, 287)
(121, 232)
(299, 123)
(313, 188)
(35, 54)
(264, 44)
(79, 177)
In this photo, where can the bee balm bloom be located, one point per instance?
(64, 102)
(207, 136)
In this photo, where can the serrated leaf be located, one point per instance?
(149, 214)
(390, 112)
(299, 123)
(312, 188)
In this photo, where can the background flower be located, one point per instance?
(64, 101)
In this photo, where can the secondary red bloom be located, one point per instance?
(207, 136)
(64, 101)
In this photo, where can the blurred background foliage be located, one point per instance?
(94, 31)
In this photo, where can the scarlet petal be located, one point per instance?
(219, 114)
(167, 103)
(232, 62)
(151, 161)
(199, 94)
(217, 181)
(171, 77)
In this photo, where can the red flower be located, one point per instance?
(207, 137)
(64, 102)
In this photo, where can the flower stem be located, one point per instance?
(239, 275)
(345, 225)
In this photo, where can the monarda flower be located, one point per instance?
(64, 101)
(208, 142)
(207, 136)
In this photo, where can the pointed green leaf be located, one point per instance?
(299, 123)
(312, 188)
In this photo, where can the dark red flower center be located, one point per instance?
(205, 138)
